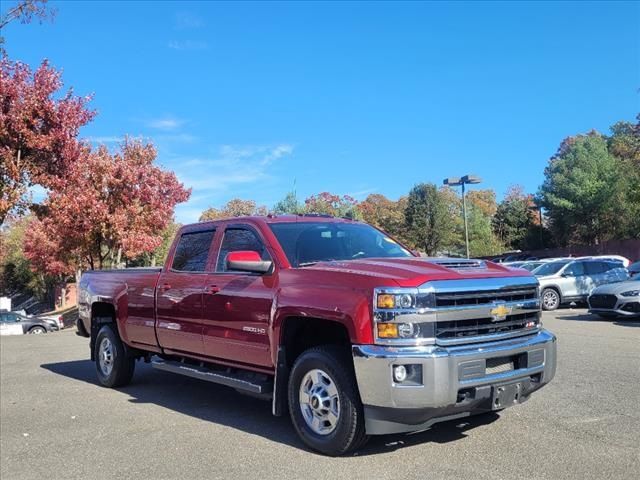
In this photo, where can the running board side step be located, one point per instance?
(243, 381)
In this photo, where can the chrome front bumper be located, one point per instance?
(455, 381)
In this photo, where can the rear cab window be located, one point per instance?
(192, 251)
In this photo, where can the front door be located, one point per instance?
(179, 294)
(237, 305)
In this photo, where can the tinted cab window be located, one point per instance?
(192, 251)
(237, 239)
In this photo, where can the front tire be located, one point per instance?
(550, 299)
(113, 366)
(324, 402)
(37, 330)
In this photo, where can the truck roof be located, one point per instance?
(305, 217)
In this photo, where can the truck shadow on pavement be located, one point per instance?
(224, 406)
(587, 317)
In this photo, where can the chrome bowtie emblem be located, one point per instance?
(500, 312)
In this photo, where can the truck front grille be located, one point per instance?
(454, 299)
(477, 327)
(480, 310)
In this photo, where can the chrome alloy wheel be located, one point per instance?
(319, 402)
(550, 299)
(105, 356)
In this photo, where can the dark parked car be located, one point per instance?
(12, 323)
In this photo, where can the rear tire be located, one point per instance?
(550, 299)
(324, 402)
(113, 366)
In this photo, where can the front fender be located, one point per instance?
(346, 306)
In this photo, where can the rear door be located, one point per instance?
(179, 293)
(237, 305)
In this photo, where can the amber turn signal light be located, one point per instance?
(387, 330)
(386, 301)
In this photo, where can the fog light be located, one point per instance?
(399, 373)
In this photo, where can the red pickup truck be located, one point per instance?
(330, 319)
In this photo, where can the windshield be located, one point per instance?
(306, 243)
(549, 268)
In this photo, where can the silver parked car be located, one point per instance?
(567, 281)
(621, 299)
(634, 270)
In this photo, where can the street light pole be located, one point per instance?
(466, 180)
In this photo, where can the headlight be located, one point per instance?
(403, 316)
(631, 293)
(389, 301)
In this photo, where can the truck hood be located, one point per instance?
(414, 271)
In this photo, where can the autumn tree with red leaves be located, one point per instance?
(110, 206)
(38, 132)
(335, 205)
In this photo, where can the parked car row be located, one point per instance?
(567, 281)
(609, 284)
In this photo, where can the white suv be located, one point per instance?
(566, 281)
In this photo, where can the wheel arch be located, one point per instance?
(102, 313)
(298, 334)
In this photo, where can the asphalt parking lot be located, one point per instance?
(56, 422)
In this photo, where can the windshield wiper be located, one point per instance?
(308, 264)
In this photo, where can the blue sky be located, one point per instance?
(353, 98)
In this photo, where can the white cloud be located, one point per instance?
(165, 123)
(361, 194)
(235, 171)
(187, 45)
(188, 21)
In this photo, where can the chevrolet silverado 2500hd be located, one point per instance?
(331, 319)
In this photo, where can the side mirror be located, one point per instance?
(247, 261)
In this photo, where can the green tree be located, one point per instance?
(624, 144)
(515, 222)
(288, 205)
(482, 240)
(582, 191)
(428, 218)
